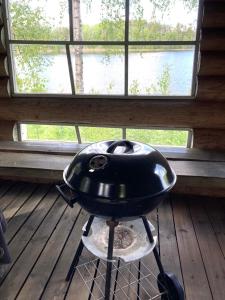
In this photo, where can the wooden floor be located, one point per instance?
(43, 234)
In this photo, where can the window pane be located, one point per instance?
(38, 132)
(41, 69)
(159, 137)
(101, 20)
(98, 69)
(160, 70)
(157, 20)
(96, 134)
(39, 20)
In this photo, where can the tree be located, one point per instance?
(111, 20)
(28, 23)
(78, 50)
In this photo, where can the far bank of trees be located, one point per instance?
(31, 24)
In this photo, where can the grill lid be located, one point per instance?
(119, 170)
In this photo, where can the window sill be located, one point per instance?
(199, 172)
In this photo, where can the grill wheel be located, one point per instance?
(169, 283)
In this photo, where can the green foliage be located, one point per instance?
(158, 137)
(134, 88)
(162, 85)
(50, 132)
(160, 88)
(94, 134)
(139, 30)
(29, 23)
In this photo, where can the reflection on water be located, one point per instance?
(105, 74)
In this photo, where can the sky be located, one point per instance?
(52, 8)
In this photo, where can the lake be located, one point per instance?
(104, 74)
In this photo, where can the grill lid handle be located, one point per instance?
(70, 201)
(124, 143)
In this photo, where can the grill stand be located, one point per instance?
(167, 282)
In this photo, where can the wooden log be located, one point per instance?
(4, 87)
(213, 39)
(6, 130)
(164, 113)
(209, 139)
(213, 16)
(2, 41)
(211, 88)
(212, 64)
(3, 66)
(202, 186)
(1, 16)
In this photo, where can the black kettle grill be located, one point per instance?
(120, 180)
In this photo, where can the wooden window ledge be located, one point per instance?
(199, 172)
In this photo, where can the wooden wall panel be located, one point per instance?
(4, 77)
(213, 15)
(209, 139)
(164, 113)
(212, 63)
(213, 39)
(3, 66)
(211, 88)
(211, 76)
(4, 88)
(6, 130)
(2, 41)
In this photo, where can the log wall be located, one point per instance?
(6, 126)
(211, 76)
(205, 114)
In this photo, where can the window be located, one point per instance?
(103, 47)
(86, 134)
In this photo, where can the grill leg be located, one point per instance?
(151, 240)
(79, 250)
(111, 225)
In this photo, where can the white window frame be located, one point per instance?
(126, 43)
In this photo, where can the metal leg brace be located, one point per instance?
(151, 240)
(79, 250)
(111, 225)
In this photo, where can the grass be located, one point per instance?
(95, 134)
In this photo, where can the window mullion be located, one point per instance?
(127, 12)
(70, 68)
(78, 134)
(70, 6)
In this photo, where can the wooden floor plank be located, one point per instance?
(211, 253)
(57, 286)
(216, 213)
(11, 195)
(43, 238)
(149, 260)
(22, 267)
(26, 210)
(4, 187)
(18, 202)
(168, 242)
(194, 276)
(35, 284)
(77, 288)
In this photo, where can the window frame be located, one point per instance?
(126, 43)
(123, 132)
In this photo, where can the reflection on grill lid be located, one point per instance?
(119, 170)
